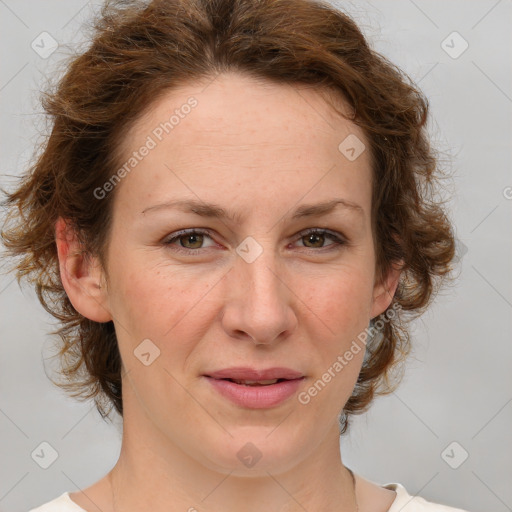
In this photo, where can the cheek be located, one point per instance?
(169, 307)
(340, 303)
(341, 300)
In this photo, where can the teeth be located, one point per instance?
(255, 382)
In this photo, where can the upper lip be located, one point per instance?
(246, 373)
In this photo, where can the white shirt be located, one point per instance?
(404, 502)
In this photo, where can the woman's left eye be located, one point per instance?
(196, 237)
(313, 235)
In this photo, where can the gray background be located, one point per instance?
(458, 383)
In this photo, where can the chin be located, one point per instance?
(256, 451)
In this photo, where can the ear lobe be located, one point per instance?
(384, 290)
(81, 275)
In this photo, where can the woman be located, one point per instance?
(231, 219)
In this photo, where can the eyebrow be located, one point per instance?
(211, 210)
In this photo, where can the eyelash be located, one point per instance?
(337, 238)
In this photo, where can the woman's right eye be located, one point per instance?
(187, 238)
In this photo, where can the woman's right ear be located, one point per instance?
(81, 275)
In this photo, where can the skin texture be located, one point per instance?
(259, 149)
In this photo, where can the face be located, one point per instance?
(216, 260)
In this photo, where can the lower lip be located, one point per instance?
(256, 397)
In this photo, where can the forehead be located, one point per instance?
(235, 107)
(233, 128)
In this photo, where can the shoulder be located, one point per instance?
(61, 504)
(404, 502)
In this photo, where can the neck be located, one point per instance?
(155, 474)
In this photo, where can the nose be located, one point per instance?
(260, 301)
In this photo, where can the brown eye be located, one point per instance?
(195, 241)
(190, 241)
(315, 239)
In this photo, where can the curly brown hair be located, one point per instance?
(141, 50)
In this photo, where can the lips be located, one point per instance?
(256, 389)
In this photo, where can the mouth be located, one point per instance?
(255, 389)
